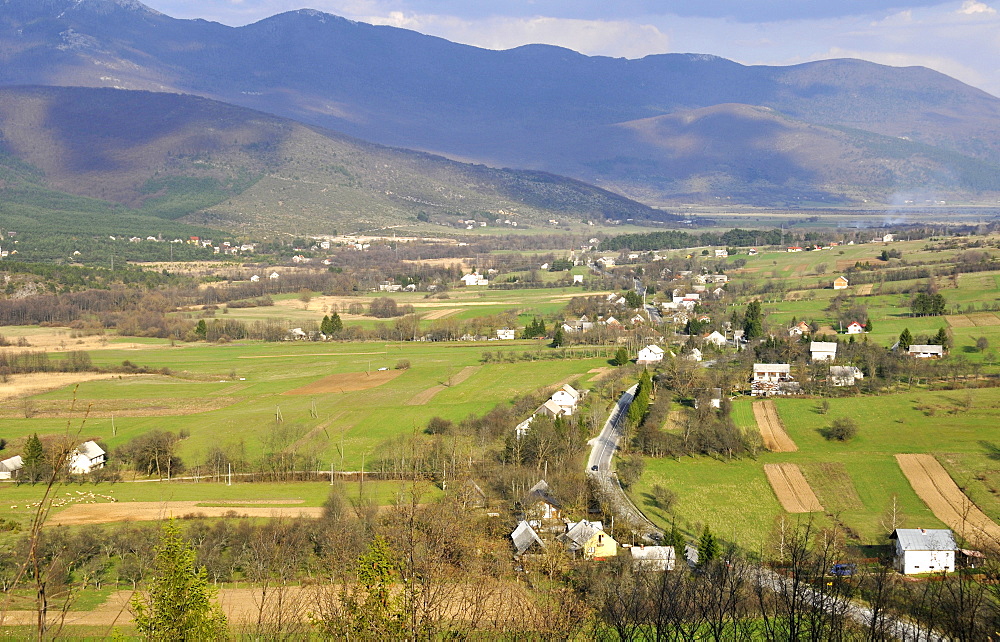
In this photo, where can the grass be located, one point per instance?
(855, 481)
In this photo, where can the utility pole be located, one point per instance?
(229, 480)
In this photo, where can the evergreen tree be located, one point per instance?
(336, 325)
(36, 466)
(621, 356)
(708, 547)
(201, 329)
(869, 325)
(905, 339)
(326, 326)
(753, 324)
(178, 604)
(941, 338)
(676, 539)
(559, 338)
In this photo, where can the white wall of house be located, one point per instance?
(915, 562)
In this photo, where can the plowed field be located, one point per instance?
(792, 489)
(771, 429)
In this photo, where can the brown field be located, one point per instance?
(104, 513)
(102, 408)
(843, 264)
(960, 321)
(33, 384)
(346, 382)
(865, 289)
(464, 263)
(771, 429)
(981, 319)
(422, 398)
(440, 314)
(947, 501)
(62, 340)
(791, 488)
(485, 601)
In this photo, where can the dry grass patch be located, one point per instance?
(791, 488)
(32, 384)
(946, 500)
(772, 431)
(346, 382)
(865, 289)
(982, 319)
(960, 321)
(155, 511)
(439, 314)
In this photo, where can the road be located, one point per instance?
(603, 449)
(599, 469)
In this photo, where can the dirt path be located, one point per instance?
(792, 489)
(422, 398)
(947, 501)
(153, 511)
(771, 429)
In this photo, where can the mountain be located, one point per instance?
(166, 155)
(789, 134)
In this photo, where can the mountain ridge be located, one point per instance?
(538, 107)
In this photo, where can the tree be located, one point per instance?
(905, 339)
(201, 329)
(336, 325)
(325, 326)
(982, 343)
(36, 466)
(178, 603)
(842, 429)
(941, 338)
(621, 356)
(663, 497)
(633, 299)
(753, 325)
(708, 547)
(558, 339)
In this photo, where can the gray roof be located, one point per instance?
(90, 449)
(12, 464)
(540, 493)
(577, 536)
(844, 371)
(653, 553)
(925, 539)
(935, 349)
(524, 537)
(772, 367)
(823, 346)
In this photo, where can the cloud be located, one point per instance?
(616, 38)
(971, 7)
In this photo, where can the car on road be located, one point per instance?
(843, 570)
(594, 467)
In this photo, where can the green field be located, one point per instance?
(855, 481)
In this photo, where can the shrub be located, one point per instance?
(842, 429)
(403, 364)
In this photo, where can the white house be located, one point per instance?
(255, 278)
(923, 550)
(88, 456)
(888, 238)
(577, 278)
(721, 254)
(823, 350)
(855, 328)
(716, 339)
(273, 276)
(566, 398)
(694, 355)
(505, 333)
(522, 428)
(475, 279)
(845, 375)
(10, 466)
(772, 379)
(650, 354)
(799, 329)
(550, 408)
(926, 351)
(540, 505)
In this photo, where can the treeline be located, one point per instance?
(71, 278)
(12, 363)
(676, 239)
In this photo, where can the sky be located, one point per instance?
(960, 38)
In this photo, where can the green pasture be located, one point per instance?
(234, 396)
(855, 481)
